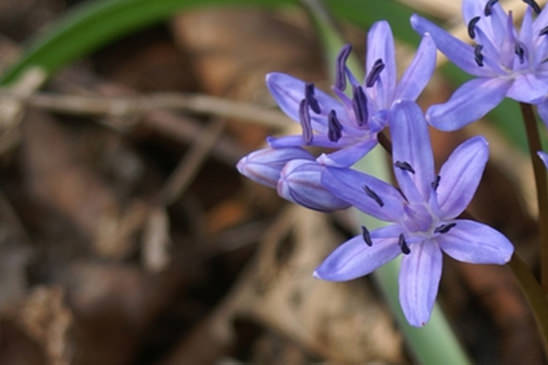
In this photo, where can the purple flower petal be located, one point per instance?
(411, 145)
(541, 21)
(289, 91)
(300, 183)
(471, 9)
(347, 156)
(349, 185)
(380, 45)
(355, 258)
(492, 25)
(264, 165)
(470, 102)
(476, 243)
(419, 71)
(528, 88)
(460, 176)
(543, 157)
(298, 140)
(419, 279)
(457, 51)
(526, 32)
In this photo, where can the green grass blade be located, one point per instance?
(95, 23)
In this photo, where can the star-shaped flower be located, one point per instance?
(423, 211)
(505, 61)
(350, 124)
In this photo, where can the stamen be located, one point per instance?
(374, 73)
(478, 57)
(444, 228)
(366, 236)
(534, 5)
(543, 31)
(519, 49)
(472, 26)
(403, 245)
(309, 95)
(340, 77)
(304, 117)
(370, 193)
(335, 127)
(359, 104)
(436, 182)
(404, 166)
(489, 7)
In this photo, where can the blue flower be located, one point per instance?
(264, 166)
(505, 61)
(350, 124)
(294, 173)
(300, 183)
(423, 211)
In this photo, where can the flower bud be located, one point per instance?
(264, 165)
(300, 183)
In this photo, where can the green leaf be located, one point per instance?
(95, 23)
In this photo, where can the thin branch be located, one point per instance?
(123, 106)
(189, 166)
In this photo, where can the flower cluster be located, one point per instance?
(424, 208)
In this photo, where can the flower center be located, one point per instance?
(417, 218)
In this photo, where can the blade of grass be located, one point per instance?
(434, 343)
(95, 23)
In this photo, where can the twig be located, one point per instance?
(188, 166)
(123, 106)
(185, 129)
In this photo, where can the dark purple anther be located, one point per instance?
(335, 127)
(366, 236)
(403, 245)
(444, 228)
(309, 95)
(489, 7)
(304, 117)
(436, 182)
(472, 26)
(478, 57)
(340, 77)
(359, 104)
(370, 193)
(519, 49)
(533, 4)
(405, 166)
(374, 73)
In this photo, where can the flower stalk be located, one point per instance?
(534, 294)
(541, 183)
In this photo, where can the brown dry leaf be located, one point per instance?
(46, 319)
(343, 323)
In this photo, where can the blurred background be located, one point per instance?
(128, 237)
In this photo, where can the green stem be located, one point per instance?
(534, 294)
(539, 169)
